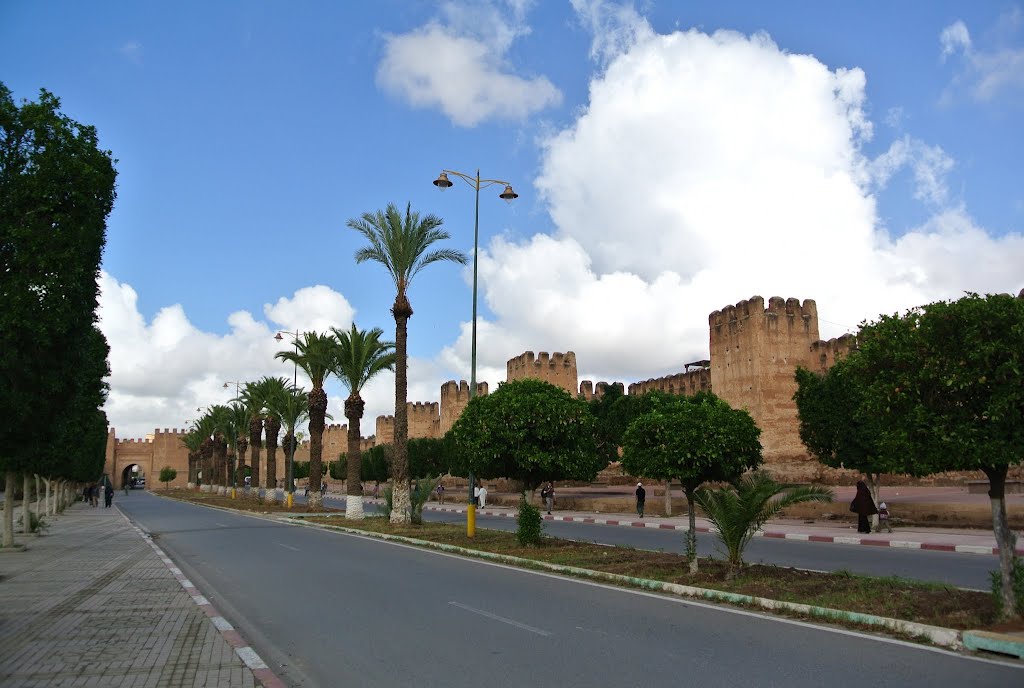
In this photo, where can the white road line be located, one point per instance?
(502, 619)
(295, 549)
(220, 524)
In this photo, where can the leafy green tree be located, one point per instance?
(359, 356)
(402, 244)
(607, 410)
(694, 440)
(943, 382)
(428, 456)
(315, 354)
(376, 464)
(832, 429)
(739, 510)
(167, 474)
(56, 191)
(527, 430)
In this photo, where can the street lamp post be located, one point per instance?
(291, 445)
(442, 182)
(234, 459)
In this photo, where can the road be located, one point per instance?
(327, 609)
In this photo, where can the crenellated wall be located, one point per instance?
(688, 383)
(163, 449)
(754, 353)
(589, 392)
(824, 354)
(455, 398)
(558, 368)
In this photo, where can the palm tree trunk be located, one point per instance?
(354, 406)
(401, 506)
(317, 413)
(9, 508)
(273, 427)
(255, 441)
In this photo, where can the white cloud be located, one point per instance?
(986, 73)
(704, 170)
(459, 66)
(616, 27)
(162, 371)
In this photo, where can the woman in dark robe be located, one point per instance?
(863, 506)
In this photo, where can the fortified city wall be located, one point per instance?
(559, 369)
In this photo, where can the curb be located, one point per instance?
(804, 537)
(263, 674)
(944, 637)
(1002, 643)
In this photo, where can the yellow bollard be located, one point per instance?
(289, 500)
(471, 521)
(232, 493)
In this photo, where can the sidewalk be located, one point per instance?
(941, 539)
(93, 602)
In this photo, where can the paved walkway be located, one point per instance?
(93, 602)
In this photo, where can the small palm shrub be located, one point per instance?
(389, 498)
(738, 511)
(529, 528)
(418, 496)
(36, 523)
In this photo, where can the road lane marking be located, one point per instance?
(502, 619)
(219, 524)
(296, 549)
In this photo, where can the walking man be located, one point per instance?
(641, 497)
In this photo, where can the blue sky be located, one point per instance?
(671, 158)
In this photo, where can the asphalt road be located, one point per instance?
(328, 609)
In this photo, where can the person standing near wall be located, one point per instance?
(641, 497)
(548, 495)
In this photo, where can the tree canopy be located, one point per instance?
(527, 430)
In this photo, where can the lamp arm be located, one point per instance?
(472, 181)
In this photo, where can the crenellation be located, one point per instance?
(454, 399)
(590, 391)
(826, 353)
(687, 383)
(557, 368)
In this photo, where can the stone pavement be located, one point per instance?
(93, 602)
(943, 539)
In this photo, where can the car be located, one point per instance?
(138, 484)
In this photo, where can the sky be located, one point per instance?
(671, 158)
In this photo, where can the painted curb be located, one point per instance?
(1001, 643)
(944, 637)
(804, 537)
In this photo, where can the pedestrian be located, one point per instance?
(883, 518)
(94, 494)
(476, 495)
(126, 488)
(323, 488)
(548, 495)
(108, 495)
(863, 506)
(440, 492)
(376, 490)
(483, 496)
(641, 497)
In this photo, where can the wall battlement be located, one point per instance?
(557, 368)
(688, 383)
(454, 398)
(826, 353)
(590, 391)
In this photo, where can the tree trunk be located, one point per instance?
(39, 500)
(668, 497)
(26, 502)
(354, 407)
(9, 508)
(401, 506)
(691, 534)
(1005, 539)
(272, 428)
(317, 413)
(255, 443)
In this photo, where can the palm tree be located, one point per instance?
(221, 416)
(402, 246)
(314, 354)
(252, 396)
(273, 389)
(205, 428)
(359, 356)
(192, 441)
(739, 511)
(289, 407)
(235, 424)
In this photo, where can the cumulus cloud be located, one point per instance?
(615, 27)
(458, 65)
(985, 73)
(706, 169)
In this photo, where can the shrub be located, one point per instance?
(418, 496)
(529, 528)
(167, 474)
(1018, 588)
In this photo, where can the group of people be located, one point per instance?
(91, 494)
(323, 489)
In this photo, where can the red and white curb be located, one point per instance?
(261, 672)
(805, 537)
